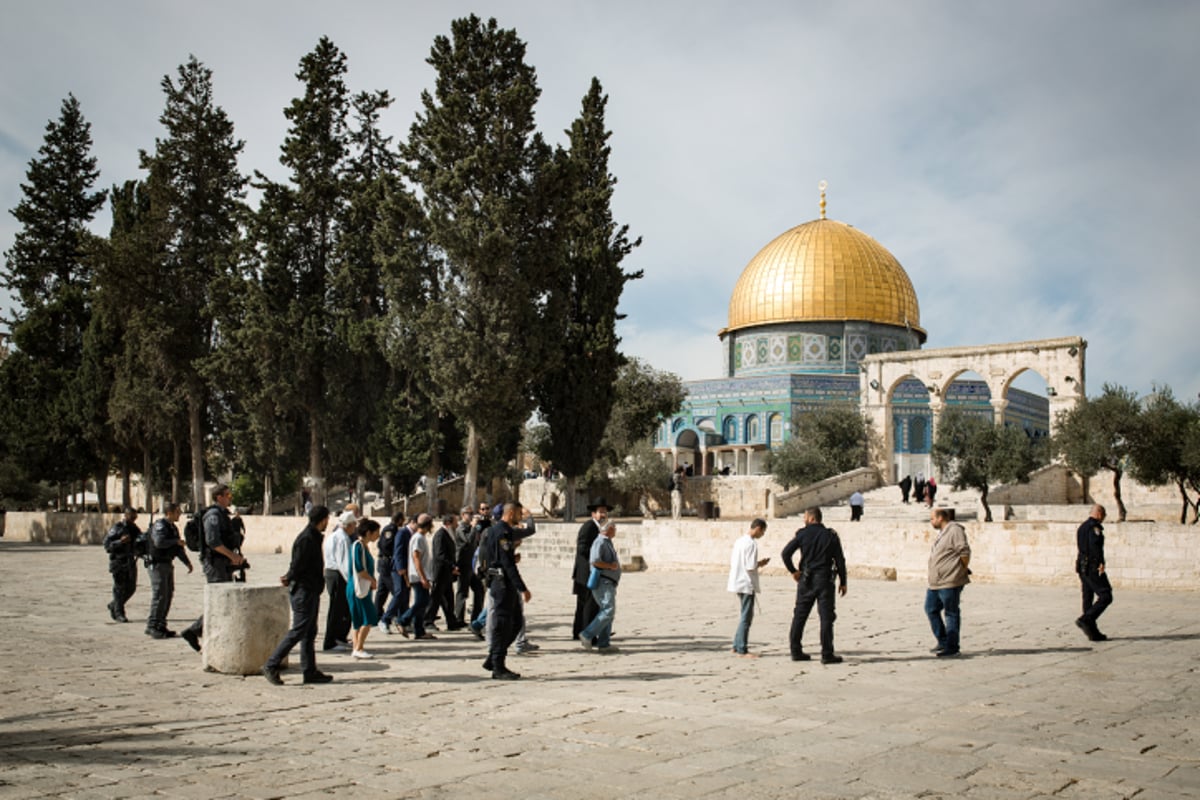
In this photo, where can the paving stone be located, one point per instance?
(1033, 710)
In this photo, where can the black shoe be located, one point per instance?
(831, 659)
(1082, 624)
(155, 633)
(168, 633)
(948, 654)
(192, 639)
(112, 611)
(801, 657)
(318, 677)
(478, 633)
(1097, 636)
(120, 617)
(272, 676)
(506, 675)
(938, 649)
(488, 665)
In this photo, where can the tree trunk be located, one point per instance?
(126, 494)
(569, 500)
(472, 476)
(387, 494)
(268, 500)
(1117, 494)
(196, 441)
(987, 510)
(360, 493)
(315, 469)
(1186, 502)
(174, 469)
(147, 481)
(102, 493)
(435, 467)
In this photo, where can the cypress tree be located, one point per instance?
(576, 396)
(479, 166)
(49, 269)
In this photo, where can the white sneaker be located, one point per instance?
(361, 654)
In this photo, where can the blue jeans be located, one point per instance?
(740, 638)
(415, 615)
(601, 626)
(938, 601)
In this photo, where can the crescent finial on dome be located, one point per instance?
(823, 185)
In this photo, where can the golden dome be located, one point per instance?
(824, 270)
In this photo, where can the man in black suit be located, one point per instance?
(585, 606)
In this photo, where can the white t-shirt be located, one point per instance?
(337, 552)
(743, 566)
(418, 544)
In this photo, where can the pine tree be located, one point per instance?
(479, 166)
(197, 186)
(49, 269)
(576, 398)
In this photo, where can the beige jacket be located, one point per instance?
(946, 569)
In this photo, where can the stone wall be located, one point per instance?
(1142, 555)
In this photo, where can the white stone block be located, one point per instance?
(242, 626)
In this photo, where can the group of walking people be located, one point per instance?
(414, 580)
(820, 576)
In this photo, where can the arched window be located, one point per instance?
(677, 425)
(753, 434)
(729, 429)
(776, 430)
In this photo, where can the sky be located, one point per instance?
(1033, 166)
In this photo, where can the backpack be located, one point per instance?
(193, 532)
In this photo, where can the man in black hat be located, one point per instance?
(585, 605)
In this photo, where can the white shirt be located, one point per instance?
(743, 566)
(856, 499)
(418, 544)
(337, 552)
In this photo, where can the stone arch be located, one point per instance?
(729, 429)
(1059, 361)
(753, 428)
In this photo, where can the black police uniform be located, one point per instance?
(1097, 591)
(820, 556)
(505, 587)
(384, 548)
(122, 564)
(165, 547)
(217, 531)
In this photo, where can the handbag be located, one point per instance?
(593, 578)
(362, 586)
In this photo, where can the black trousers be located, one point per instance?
(441, 598)
(1097, 596)
(216, 570)
(585, 609)
(306, 605)
(385, 589)
(469, 585)
(162, 590)
(818, 590)
(506, 607)
(855, 513)
(124, 576)
(337, 619)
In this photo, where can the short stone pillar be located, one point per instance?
(243, 625)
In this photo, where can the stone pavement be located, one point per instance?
(91, 708)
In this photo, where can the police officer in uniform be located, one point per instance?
(165, 547)
(1089, 564)
(820, 556)
(122, 543)
(505, 587)
(218, 552)
(385, 547)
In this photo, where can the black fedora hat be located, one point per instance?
(598, 503)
